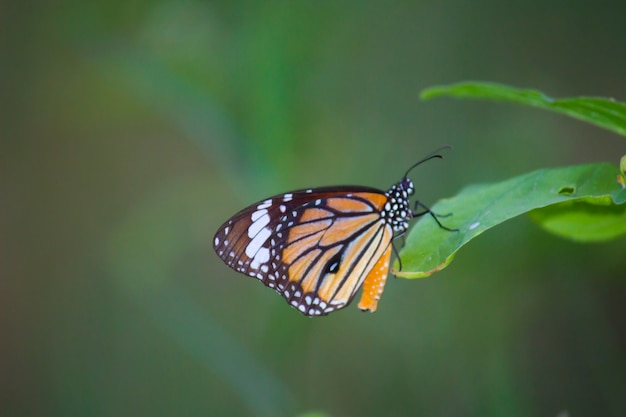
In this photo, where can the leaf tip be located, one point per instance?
(422, 274)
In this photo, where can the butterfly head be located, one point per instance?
(397, 210)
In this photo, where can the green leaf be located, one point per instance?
(584, 202)
(607, 113)
(583, 221)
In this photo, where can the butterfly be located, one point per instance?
(317, 247)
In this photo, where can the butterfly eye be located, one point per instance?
(333, 264)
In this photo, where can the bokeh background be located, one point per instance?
(131, 130)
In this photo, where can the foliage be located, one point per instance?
(585, 203)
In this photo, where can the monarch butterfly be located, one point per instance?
(317, 247)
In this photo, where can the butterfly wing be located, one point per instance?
(314, 247)
(374, 283)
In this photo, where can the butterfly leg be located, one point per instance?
(395, 252)
(432, 214)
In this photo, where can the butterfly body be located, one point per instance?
(317, 247)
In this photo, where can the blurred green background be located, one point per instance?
(131, 130)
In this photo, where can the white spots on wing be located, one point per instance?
(216, 242)
(287, 197)
(259, 224)
(474, 225)
(256, 244)
(261, 257)
(226, 230)
(258, 214)
(282, 208)
(265, 204)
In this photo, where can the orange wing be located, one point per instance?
(374, 283)
(332, 250)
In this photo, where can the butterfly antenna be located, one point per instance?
(434, 154)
